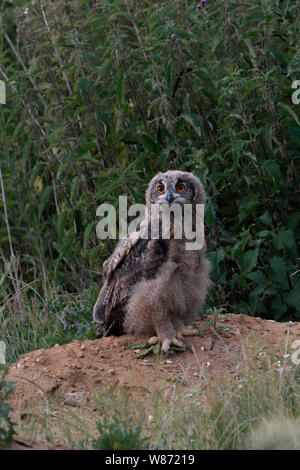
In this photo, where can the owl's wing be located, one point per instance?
(143, 259)
(123, 248)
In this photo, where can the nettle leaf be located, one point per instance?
(257, 305)
(279, 268)
(149, 144)
(194, 121)
(290, 111)
(218, 269)
(264, 233)
(250, 260)
(293, 220)
(220, 252)
(256, 292)
(293, 298)
(273, 169)
(258, 277)
(279, 307)
(247, 206)
(238, 249)
(295, 135)
(286, 240)
(210, 216)
(237, 146)
(265, 219)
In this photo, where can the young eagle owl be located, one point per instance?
(156, 286)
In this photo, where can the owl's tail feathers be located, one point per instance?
(110, 318)
(99, 312)
(99, 317)
(111, 323)
(104, 300)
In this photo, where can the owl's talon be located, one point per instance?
(190, 330)
(184, 345)
(187, 347)
(167, 343)
(153, 340)
(170, 352)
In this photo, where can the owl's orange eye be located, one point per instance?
(160, 189)
(180, 187)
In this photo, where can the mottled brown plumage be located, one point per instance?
(155, 286)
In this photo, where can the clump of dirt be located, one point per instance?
(72, 372)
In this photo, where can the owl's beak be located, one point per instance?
(170, 197)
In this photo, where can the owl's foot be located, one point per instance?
(153, 340)
(189, 330)
(165, 347)
(166, 343)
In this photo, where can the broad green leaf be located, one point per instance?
(290, 111)
(149, 144)
(250, 260)
(194, 121)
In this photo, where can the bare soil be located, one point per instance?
(72, 372)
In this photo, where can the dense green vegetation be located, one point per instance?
(102, 96)
(6, 424)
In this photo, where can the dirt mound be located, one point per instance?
(23, 444)
(73, 371)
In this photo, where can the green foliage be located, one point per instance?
(106, 96)
(6, 424)
(118, 435)
(53, 318)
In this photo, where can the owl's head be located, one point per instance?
(175, 187)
